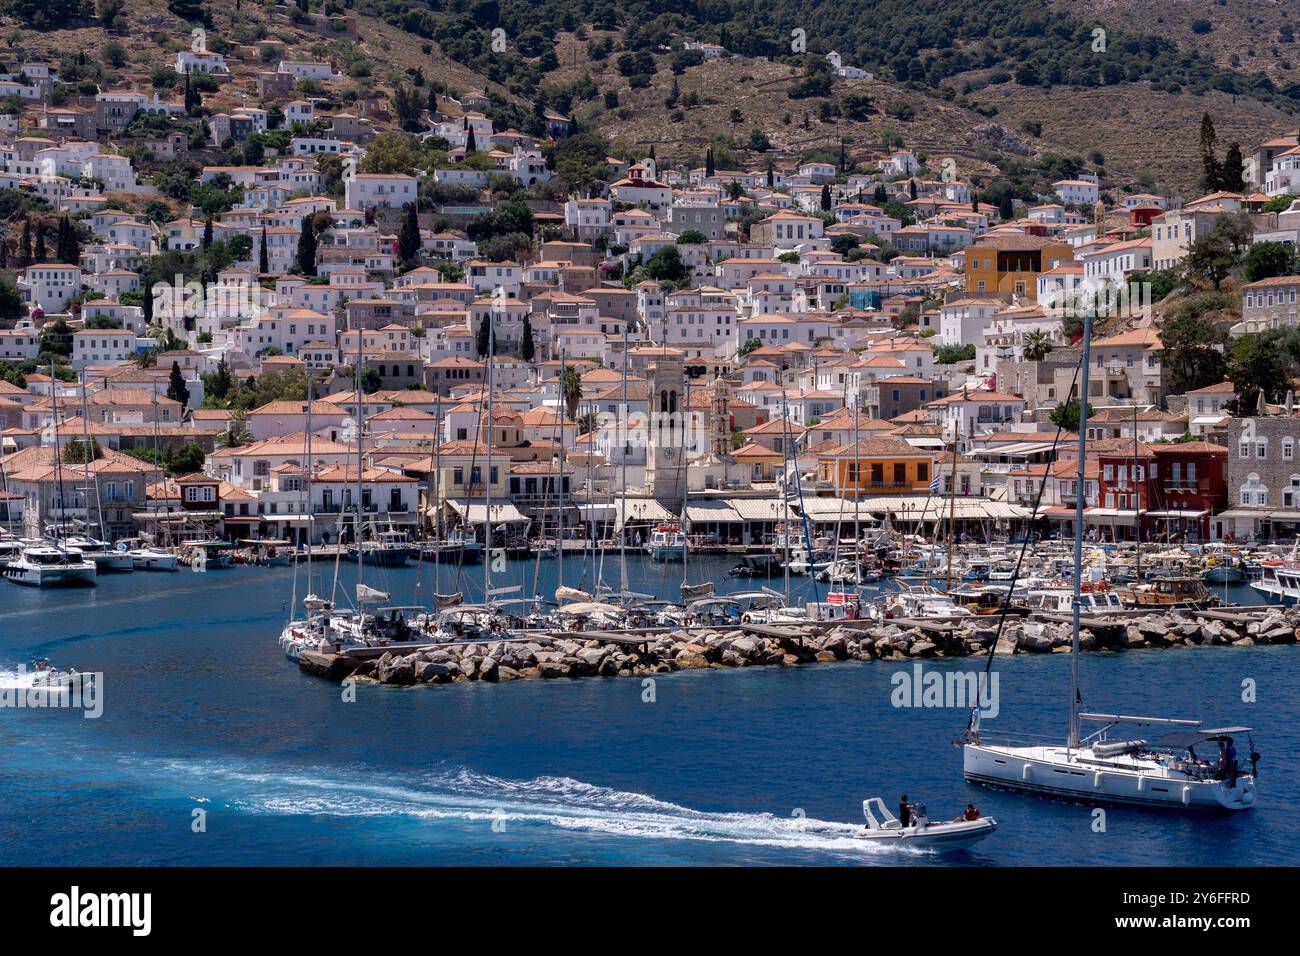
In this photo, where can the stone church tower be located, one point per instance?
(666, 456)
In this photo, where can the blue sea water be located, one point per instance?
(754, 766)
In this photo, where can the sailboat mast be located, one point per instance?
(623, 510)
(58, 457)
(1137, 491)
(952, 505)
(1079, 501)
(361, 434)
(487, 470)
(88, 451)
(306, 481)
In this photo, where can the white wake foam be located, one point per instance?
(560, 802)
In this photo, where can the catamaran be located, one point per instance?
(1165, 773)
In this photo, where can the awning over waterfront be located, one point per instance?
(762, 509)
(933, 507)
(626, 510)
(476, 513)
(715, 512)
(1177, 514)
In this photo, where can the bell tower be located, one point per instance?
(666, 456)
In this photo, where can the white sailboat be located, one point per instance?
(1166, 772)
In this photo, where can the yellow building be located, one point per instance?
(875, 466)
(1012, 264)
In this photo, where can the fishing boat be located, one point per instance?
(388, 549)
(922, 833)
(207, 554)
(1168, 593)
(49, 565)
(1094, 767)
(1225, 568)
(667, 543)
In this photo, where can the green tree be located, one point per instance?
(482, 344)
(237, 432)
(1264, 260)
(1035, 344)
(571, 390)
(527, 348)
(1066, 415)
(188, 460)
(177, 390)
(666, 266)
(1260, 362)
(1211, 172)
(1189, 355)
(305, 261)
(408, 239)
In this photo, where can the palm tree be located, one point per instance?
(571, 389)
(1034, 345)
(236, 432)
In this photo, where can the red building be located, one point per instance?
(1168, 490)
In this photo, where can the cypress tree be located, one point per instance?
(262, 265)
(177, 390)
(207, 234)
(25, 242)
(527, 348)
(708, 161)
(408, 240)
(306, 258)
(1211, 172)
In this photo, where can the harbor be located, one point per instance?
(202, 711)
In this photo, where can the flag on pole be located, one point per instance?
(934, 485)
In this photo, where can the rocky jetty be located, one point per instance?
(560, 657)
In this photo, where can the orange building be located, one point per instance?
(876, 466)
(1012, 264)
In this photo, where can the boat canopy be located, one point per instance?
(1190, 738)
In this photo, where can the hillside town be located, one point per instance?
(180, 354)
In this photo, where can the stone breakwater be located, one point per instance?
(560, 657)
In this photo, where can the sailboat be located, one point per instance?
(1165, 771)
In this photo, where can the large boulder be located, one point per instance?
(553, 668)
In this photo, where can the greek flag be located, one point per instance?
(934, 485)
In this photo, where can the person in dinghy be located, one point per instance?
(913, 827)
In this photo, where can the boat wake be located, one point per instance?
(561, 802)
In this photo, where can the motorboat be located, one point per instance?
(667, 543)
(921, 832)
(757, 566)
(48, 565)
(105, 556)
(153, 558)
(1060, 600)
(389, 549)
(1280, 581)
